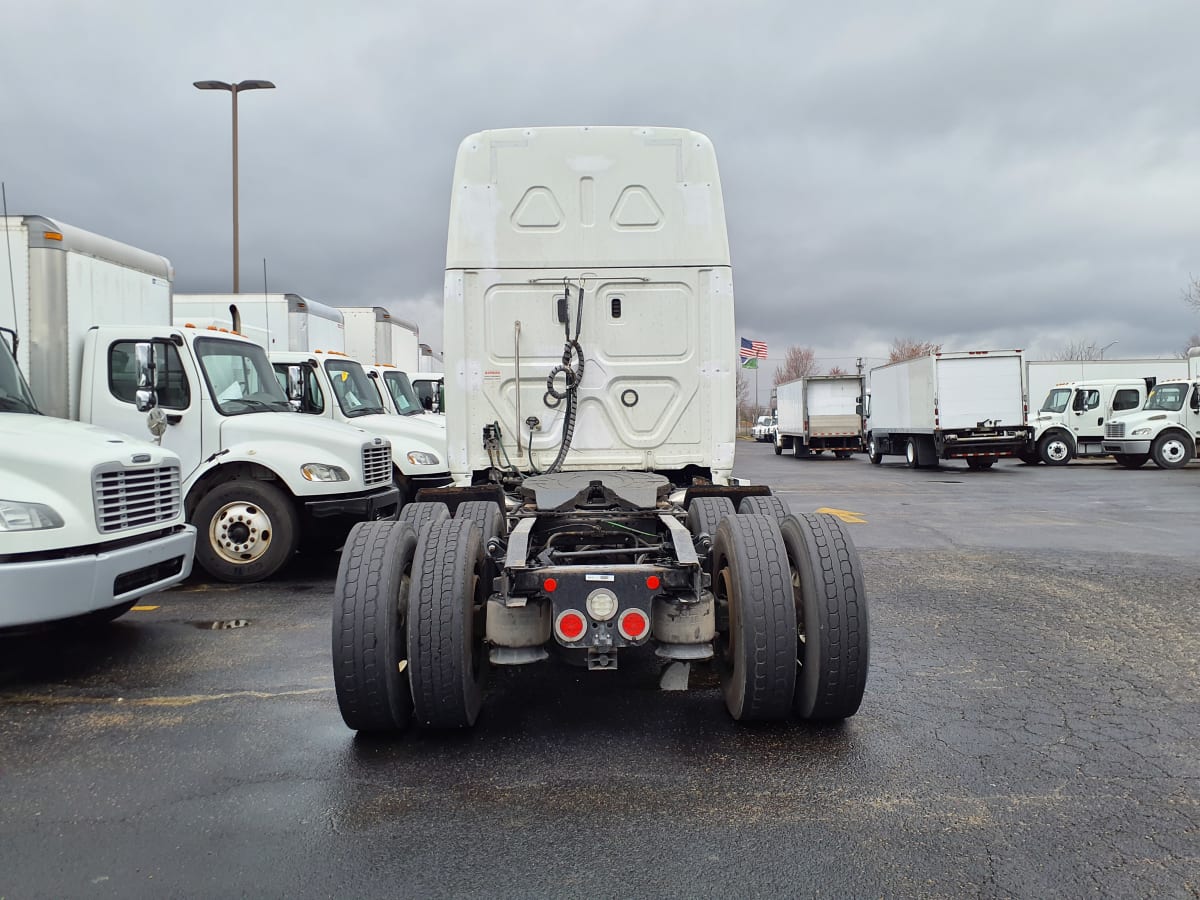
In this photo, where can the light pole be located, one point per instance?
(1105, 347)
(249, 85)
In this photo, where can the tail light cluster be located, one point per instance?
(602, 606)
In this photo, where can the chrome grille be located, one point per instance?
(377, 464)
(1114, 430)
(133, 498)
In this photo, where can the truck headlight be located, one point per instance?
(322, 472)
(1140, 432)
(420, 458)
(18, 516)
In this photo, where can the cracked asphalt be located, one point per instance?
(1031, 728)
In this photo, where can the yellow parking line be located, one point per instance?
(851, 518)
(145, 608)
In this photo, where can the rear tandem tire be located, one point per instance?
(417, 514)
(833, 641)
(912, 456)
(1131, 460)
(491, 523)
(370, 609)
(763, 506)
(979, 463)
(447, 661)
(757, 660)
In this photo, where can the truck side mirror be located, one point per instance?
(146, 397)
(295, 387)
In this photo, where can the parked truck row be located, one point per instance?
(195, 428)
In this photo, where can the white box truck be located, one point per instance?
(332, 384)
(374, 336)
(818, 413)
(90, 520)
(591, 382)
(1070, 422)
(1042, 374)
(1166, 429)
(257, 478)
(968, 405)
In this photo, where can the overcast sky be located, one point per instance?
(983, 175)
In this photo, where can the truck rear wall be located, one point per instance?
(832, 406)
(902, 396)
(972, 389)
(789, 403)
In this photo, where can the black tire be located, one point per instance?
(490, 521)
(447, 661)
(1172, 450)
(800, 450)
(1055, 449)
(833, 646)
(418, 514)
(370, 612)
(706, 513)
(843, 454)
(1131, 460)
(978, 464)
(257, 511)
(757, 660)
(1030, 458)
(912, 454)
(778, 447)
(763, 506)
(873, 453)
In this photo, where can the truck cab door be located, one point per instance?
(114, 384)
(1086, 405)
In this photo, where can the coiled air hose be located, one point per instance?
(571, 369)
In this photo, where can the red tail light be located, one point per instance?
(653, 582)
(549, 585)
(633, 625)
(570, 626)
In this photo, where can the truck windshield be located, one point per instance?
(240, 378)
(14, 392)
(1167, 397)
(353, 389)
(1057, 400)
(402, 393)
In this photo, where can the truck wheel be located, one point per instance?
(706, 513)
(447, 661)
(778, 446)
(800, 450)
(418, 514)
(911, 456)
(1131, 460)
(757, 660)
(1029, 457)
(1171, 451)
(247, 530)
(833, 644)
(873, 453)
(1055, 450)
(842, 454)
(978, 464)
(370, 610)
(763, 506)
(491, 524)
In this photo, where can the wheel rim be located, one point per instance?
(910, 453)
(1058, 450)
(240, 532)
(1173, 450)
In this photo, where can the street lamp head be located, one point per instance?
(253, 84)
(213, 85)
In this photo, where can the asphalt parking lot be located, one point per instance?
(1030, 728)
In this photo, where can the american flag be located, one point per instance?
(753, 349)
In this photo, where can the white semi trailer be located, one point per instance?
(90, 520)
(256, 478)
(332, 384)
(969, 405)
(818, 413)
(591, 382)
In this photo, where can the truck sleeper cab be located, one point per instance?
(90, 520)
(591, 431)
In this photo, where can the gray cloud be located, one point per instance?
(979, 174)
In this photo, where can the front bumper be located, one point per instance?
(49, 590)
(1126, 447)
(369, 506)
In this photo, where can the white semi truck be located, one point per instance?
(257, 479)
(1166, 429)
(1070, 422)
(818, 413)
(969, 405)
(90, 520)
(591, 382)
(332, 385)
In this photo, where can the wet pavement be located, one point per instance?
(1031, 727)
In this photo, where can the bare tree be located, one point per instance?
(1079, 349)
(798, 362)
(1191, 293)
(907, 348)
(1193, 341)
(837, 370)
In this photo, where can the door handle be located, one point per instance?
(173, 419)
